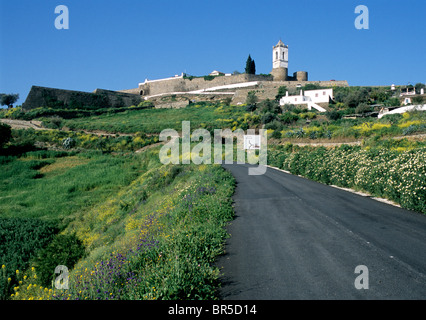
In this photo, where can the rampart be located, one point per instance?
(185, 84)
(59, 98)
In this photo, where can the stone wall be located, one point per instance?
(180, 84)
(182, 100)
(264, 90)
(59, 98)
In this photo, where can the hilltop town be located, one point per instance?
(179, 90)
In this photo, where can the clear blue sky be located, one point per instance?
(117, 44)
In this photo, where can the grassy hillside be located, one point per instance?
(135, 229)
(128, 227)
(155, 120)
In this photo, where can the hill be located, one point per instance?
(133, 228)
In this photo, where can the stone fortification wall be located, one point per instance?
(131, 91)
(181, 84)
(59, 98)
(182, 100)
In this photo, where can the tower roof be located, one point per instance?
(280, 44)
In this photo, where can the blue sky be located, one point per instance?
(117, 44)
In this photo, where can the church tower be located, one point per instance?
(280, 55)
(280, 61)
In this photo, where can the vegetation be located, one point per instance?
(145, 231)
(128, 227)
(5, 134)
(67, 112)
(146, 247)
(202, 115)
(398, 175)
(8, 99)
(250, 66)
(79, 140)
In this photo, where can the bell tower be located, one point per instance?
(280, 62)
(280, 55)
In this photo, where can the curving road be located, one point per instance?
(293, 238)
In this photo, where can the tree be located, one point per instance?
(8, 99)
(417, 100)
(281, 93)
(250, 66)
(363, 108)
(270, 106)
(419, 86)
(392, 102)
(267, 117)
(354, 98)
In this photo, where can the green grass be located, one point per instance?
(54, 187)
(41, 192)
(155, 120)
(157, 238)
(157, 228)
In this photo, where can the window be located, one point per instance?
(283, 55)
(316, 95)
(276, 55)
(323, 93)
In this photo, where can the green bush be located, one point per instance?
(267, 117)
(64, 250)
(20, 241)
(5, 134)
(288, 117)
(396, 174)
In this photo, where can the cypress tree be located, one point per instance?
(250, 66)
(253, 67)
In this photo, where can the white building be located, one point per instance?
(216, 73)
(310, 98)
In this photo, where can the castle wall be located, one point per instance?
(187, 84)
(59, 98)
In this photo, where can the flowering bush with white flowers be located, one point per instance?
(397, 176)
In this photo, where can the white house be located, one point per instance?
(216, 73)
(310, 98)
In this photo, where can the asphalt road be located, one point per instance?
(293, 238)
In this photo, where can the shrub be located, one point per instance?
(363, 108)
(209, 78)
(251, 98)
(334, 115)
(5, 134)
(267, 117)
(54, 122)
(288, 117)
(398, 176)
(20, 240)
(68, 143)
(276, 134)
(64, 250)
